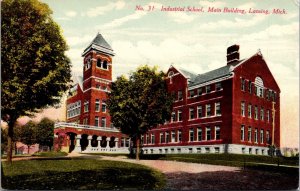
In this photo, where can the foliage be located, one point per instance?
(3, 140)
(45, 129)
(27, 134)
(89, 175)
(35, 70)
(50, 154)
(139, 103)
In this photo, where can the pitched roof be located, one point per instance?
(196, 79)
(100, 44)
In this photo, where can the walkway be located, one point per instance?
(194, 176)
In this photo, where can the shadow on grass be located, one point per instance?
(234, 180)
(104, 179)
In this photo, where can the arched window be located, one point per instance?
(259, 87)
(104, 66)
(99, 62)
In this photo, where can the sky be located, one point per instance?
(196, 41)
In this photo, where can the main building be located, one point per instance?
(233, 109)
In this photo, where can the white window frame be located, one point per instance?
(218, 105)
(242, 132)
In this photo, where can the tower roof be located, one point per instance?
(99, 44)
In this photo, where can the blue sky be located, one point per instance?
(192, 40)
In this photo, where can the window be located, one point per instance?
(127, 143)
(218, 86)
(96, 121)
(192, 93)
(198, 150)
(173, 136)
(88, 63)
(208, 133)
(152, 139)
(199, 131)
(199, 111)
(167, 137)
(259, 87)
(255, 135)
(104, 66)
(217, 133)
(99, 62)
(207, 149)
(268, 94)
(147, 139)
(243, 108)
(250, 87)
(86, 106)
(250, 150)
(249, 110)
(173, 118)
(142, 139)
(103, 106)
(208, 110)
(161, 138)
(199, 91)
(262, 113)
(97, 105)
(180, 97)
(103, 122)
(243, 84)
(73, 109)
(85, 121)
(218, 108)
(242, 132)
(256, 113)
(122, 142)
(268, 136)
(191, 133)
(261, 136)
(179, 136)
(268, 115)
(249, 133)
(192, 116)
(217, 149)
(208, 89)
(179, 115)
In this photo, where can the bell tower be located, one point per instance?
(97, 76)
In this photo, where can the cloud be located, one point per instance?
(246, 6)
(236, 22)
(120, 21)
(101, 10)
(212, 3)
(76, 40)
(71, 13)
(181, 17)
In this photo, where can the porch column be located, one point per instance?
(107, 144)
(90, 140)
(78, 146)
(116, 142)
(99, 141)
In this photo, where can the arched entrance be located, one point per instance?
(103, 141)
(112, 142)
(84, 142)
(94, 142)
(72, 141)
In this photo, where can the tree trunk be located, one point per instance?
(11, 124)
(137, 148)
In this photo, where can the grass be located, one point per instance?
(79, 174)
(50, 154)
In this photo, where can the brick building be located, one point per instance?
(234, 109)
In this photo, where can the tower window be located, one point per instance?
(99, 63)
(104, 65)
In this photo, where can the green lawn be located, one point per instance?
(50, 154)
(79, 174)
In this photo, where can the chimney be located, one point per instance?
(233, 54)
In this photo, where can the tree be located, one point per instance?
(27, 134)
(139, 103)
(35, 70)
(3, 139)
(45, 129)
